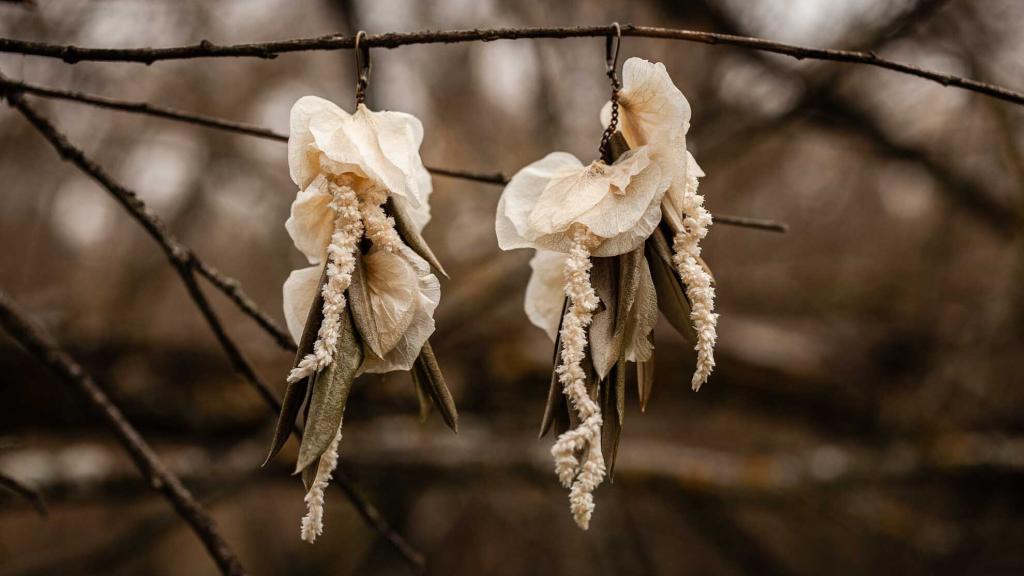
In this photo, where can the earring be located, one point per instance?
(603, 266)
(367, 301)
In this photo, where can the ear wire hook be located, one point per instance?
(611, 58)
(611, 50)
(362, 52)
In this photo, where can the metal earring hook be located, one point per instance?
(611, 58)
(611, 49)
(362, 52)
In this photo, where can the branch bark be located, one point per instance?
(159, 477)
(267, 50)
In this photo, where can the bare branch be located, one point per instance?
(207, 49)
(755, 223)
(186, 264)
(159, 477)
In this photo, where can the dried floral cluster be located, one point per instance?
(367, 301)
(604, 267)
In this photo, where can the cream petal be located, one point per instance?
(427, 294)
(400, 136)
(568, 197)
(311, 222)
(680, 190)
(521, 194)
(341, 155)
(388, 144)
(392, 286)
(303, 153)
(630, 239)
(618, 213)
(545, 292)
(299, 291)
(652, 108)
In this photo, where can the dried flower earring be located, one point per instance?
(367, 302)
(603, 266)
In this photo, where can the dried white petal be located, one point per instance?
(521, 195)
(545, 292)
(617, 203)
(423, 291)
(299, 292)
(652, 110)
(369, 148)
(311, 222)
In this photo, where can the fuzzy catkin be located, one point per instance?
(380, 228)
(586, 437)
(348, 229)
(699, 289)
(313, 521)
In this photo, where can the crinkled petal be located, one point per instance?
(311, 222)
(652, 110)
(299, 292)
(675, 200)
(572, 194)
(388, 145)
(630, 239)
(520, 196)
(617, 213)
(545, 292)
(392, 285)
(427, 294)
(303, 152)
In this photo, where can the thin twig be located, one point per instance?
(7, 84)
(30, 494)
(207, 49)
(187, 264)
(227, 285)
(149, 464)
(747, 222)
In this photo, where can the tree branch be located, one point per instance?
(207, 49)
(159, 477)
(186, 264)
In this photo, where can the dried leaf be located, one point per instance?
(643, 315)
(645, 381)
(671, 297)
(604, 346)
(556, 407)
(295, 393)
(362, 309)
(613, 408)
(429, 373)
(412, 238)
(422, 394)
(309, 474)
(330, 392)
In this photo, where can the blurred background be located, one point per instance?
(866, 413)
